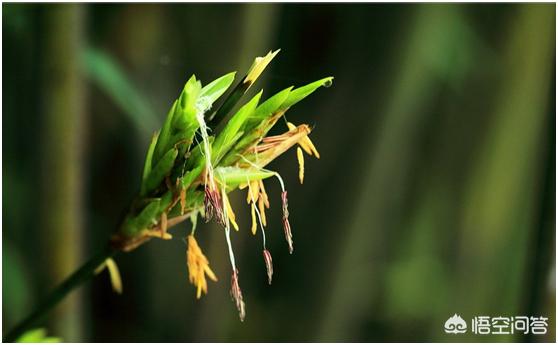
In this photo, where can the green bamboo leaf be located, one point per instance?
(181, 123)
(162, 169)
(147, 217)
(266, 109)
(149, 157)
(164, 136)
(249, 139)
(196, 156)
(302, 92)
(257, 125)
(166, 200)
(227, 147)
(194, 201)
(185, 116)
(233, 176)
(267, 113)
(226, 139)
(217, 88)
(189, 178)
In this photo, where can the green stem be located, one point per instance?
(86, 272)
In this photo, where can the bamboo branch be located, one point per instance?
(85, 273)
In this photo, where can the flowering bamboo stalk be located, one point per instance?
(189, 170)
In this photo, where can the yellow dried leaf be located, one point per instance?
(260, 63)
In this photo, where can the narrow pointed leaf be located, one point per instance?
(217, 88)
(196, 156)
(267, 108)
(162, 169)
(190, 176)
(149, 157)
(185, 116)
(147, 217)
(164, 135)
(302, 92)
(224, 140)
(236, 176)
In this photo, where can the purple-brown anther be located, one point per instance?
(213, 205)
(286, 224)
(207, 203)
(236, 294)
(268, 265)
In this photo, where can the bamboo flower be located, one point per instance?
(189, 169)
(268, 265)
(198, 267)
(236, 295)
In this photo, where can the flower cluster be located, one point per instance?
(190, 170)
(198, 266)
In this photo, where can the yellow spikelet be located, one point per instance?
(198, 267)
(254, 223)
(300, 158)
(262, 211)
(229, 210)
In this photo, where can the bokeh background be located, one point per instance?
(435, 193)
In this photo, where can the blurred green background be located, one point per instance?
(435, 193)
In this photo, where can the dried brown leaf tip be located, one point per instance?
(260, 63)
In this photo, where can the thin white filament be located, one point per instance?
(206, 148)
(257, 212)
(228, 233)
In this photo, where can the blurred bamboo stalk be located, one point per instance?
(355, 290)
(62, 158)
(500, 206)
(540, 285)
(259, 22)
